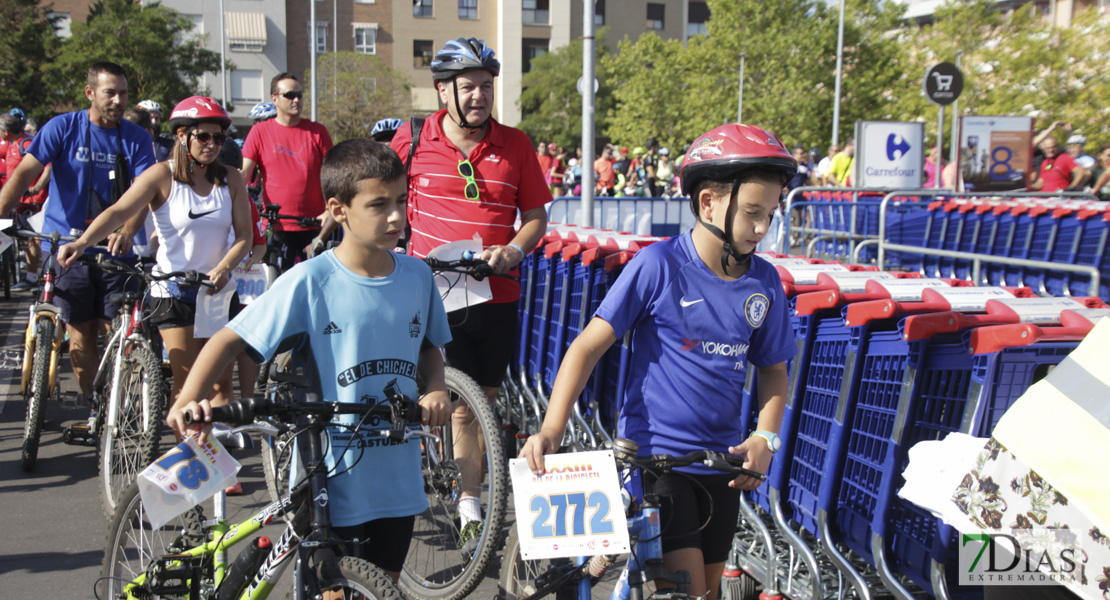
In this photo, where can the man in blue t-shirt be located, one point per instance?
(699, 308)
(94, 155)
(371, 317)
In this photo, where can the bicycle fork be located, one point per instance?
(39, 312)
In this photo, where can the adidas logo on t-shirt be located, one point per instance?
(332, 328)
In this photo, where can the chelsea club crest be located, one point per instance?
(755, 309)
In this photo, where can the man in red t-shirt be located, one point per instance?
(1059, 171)
(16, 143)
(606, 178)
(289, 151)
(471, 175)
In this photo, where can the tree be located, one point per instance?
(650, 86)
(355, 90)
(153, 43)
(27, 41)
(550, 100)
(1013, 65)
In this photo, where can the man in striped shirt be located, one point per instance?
(470, 175)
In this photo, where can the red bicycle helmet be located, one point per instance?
(198, 109)
(726, 151)
(723, 154)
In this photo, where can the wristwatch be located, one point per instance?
(774, 442)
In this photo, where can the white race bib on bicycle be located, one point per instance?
(458, 290)
(573, 509)
(182, 478)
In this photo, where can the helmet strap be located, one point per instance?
(727, 251)
(470, 129)
(193, 162)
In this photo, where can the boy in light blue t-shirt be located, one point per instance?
(370, 317)
(698, 307)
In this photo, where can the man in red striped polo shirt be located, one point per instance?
(471, 175)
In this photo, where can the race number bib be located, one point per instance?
(573, 509)
(187, 475)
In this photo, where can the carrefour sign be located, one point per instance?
(890, 154)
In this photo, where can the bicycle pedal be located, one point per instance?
(79, 435)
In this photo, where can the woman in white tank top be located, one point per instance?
(201, 212)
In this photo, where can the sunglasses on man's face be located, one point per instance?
(292, 95)
(467, 171)
(204, 137)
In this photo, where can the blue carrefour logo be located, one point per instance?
(896, 146)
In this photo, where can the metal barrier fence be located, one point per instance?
(642, 216)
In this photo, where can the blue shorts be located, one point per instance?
(82, 291)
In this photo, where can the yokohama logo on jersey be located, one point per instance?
(715, 348)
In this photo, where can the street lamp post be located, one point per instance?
(839, 72)
(740, 103)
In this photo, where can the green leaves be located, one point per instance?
(355, 90)
(155, 45)
(27, 42)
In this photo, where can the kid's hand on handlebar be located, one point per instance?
(757, 458)
(536, 447)
(435, 409)
(194, 418)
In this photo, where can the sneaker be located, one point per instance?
(23, 285)
(469, 538)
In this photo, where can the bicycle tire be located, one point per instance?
(519, 576)
(276, 456)
(37, 393)
(9, 274)
(132, 543)
(350, 574)
(131, 443)
(434, 567)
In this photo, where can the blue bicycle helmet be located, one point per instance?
(464, 54)
(385, 127)
(18, 113)
(263, 111)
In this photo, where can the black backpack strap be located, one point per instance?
(416, 125)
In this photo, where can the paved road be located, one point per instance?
(51, 524)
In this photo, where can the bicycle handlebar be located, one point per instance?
(719, 461)
(400, 410)
(467, 264)
(107, 263)
(271, 212)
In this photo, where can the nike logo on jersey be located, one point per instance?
(193, 215)
(684, 303)
(332, 328)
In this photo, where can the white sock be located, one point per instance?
(469, 509)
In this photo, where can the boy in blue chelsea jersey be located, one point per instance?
(370, 316)
(699, 307)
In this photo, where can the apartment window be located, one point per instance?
(321, 36)
(655, 16)
(422, 53)
(61, 24)
(421, 8)
(468, 9)
(699, 15)
(246, 86)
(599, 13)
(533, 47)
(536, 12)
(246, 32)
(366, 38)
(365, 1)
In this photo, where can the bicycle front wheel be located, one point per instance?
(441, 564)
(351, 577)
(37, 393)
(522, 578)
(129, 444)
(132, 545)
